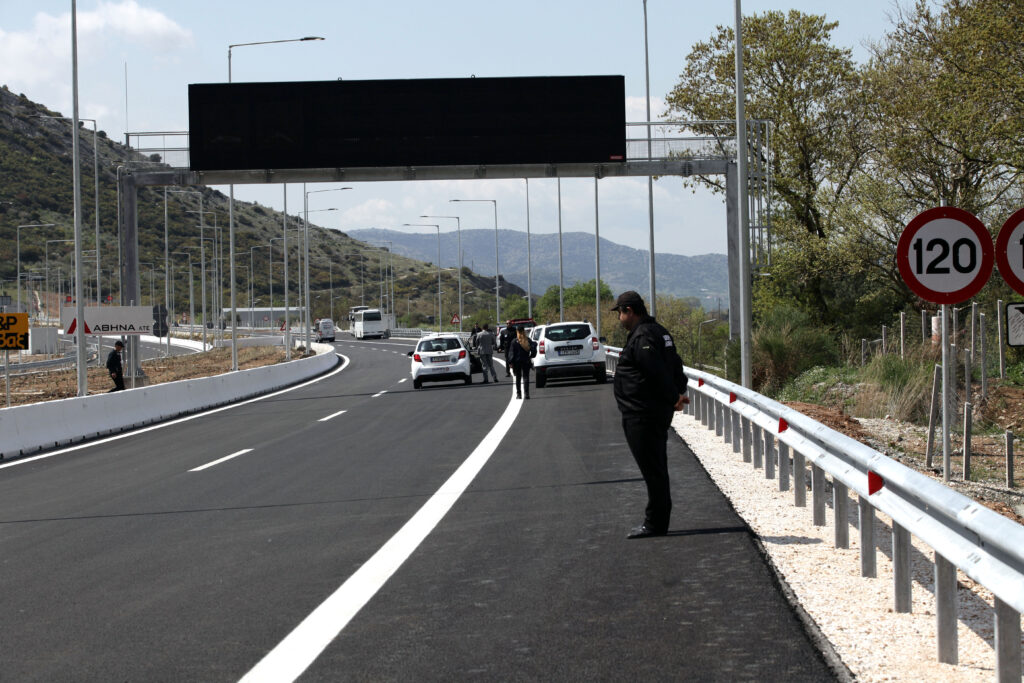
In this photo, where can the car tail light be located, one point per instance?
(462, 354)
(416, 357)
(596, 342)
(540, 347)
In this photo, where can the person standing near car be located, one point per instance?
(114, 366)
(507, 334)
(649, 386)
(485, 347)
(520, 356)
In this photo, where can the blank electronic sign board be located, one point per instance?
(421, 122)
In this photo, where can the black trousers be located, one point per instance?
(647, 438)
(118, 382)
(522, 374)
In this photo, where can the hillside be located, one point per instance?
(36, 187)
(705, 277)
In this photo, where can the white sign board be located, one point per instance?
(1015, 324)
(110, 320)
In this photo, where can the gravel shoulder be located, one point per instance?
(856, 614)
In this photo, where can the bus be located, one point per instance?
(352, 316)
(369, 323)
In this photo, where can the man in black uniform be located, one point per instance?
(114, 366)
(649, 386)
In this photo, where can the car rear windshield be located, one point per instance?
(446, 344)
(371, 316)
(567, 332)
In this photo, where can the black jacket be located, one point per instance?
(114, 361)
(649, 376)
(518, 357)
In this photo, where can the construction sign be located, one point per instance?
(14, 331)
(109, 320)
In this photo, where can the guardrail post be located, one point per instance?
(841, 508)
(758, 447)
(704, 410)
(736, 438)
(727, 423)
(945, 610)
(868, 564)
(818, 494)
(746, 439)
(1008, 666)
(1009, 459)
(799, 480)
(719, 418)
(902, 588)
(863, 352)
(769, 455)
(783, 467)
(712, 410)
(967, 441)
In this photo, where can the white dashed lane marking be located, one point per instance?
(325, 419)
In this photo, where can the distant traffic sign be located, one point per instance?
(1015, 324)
(456, 319)
(1010, 251)
(945, 255)
(14, 331)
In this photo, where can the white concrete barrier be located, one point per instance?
(35, 427)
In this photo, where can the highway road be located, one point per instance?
(353, 528)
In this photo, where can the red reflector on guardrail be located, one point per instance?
(875, 483)
(783, 425)
(732, 396)
(700, 382)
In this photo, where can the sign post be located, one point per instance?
(945, 256)
(13, 335)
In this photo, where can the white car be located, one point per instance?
(325, 330)
(569, 349)
(440, 357)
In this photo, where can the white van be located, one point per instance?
(325, 330)
(369, 323)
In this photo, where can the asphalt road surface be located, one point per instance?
(364, 530)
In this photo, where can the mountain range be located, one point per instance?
(704, 277)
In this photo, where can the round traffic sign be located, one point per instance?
(1010, 251)
(945, 255)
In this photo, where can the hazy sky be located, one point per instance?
(167, 44)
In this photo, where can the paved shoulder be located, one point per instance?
(530, 577)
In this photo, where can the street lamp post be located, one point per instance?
(231, 227)
(305, 221)
(700, 326)
(438, 228)
(458, 229)
(191, 298)
(18, 257)
(497, 267)
(96, 190)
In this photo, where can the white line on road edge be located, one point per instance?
(301, 647)
(402, 380)
(21, 461)
(220, 460)
(325, 419)
(379, 393)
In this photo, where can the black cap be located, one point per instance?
(629, 298)
(118, 343)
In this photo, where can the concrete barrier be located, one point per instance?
(30, 428)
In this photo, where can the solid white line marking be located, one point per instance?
(220, 460)
(325, 419)
(143, 430)
(379, 393)
(301, 647)
(402, 380)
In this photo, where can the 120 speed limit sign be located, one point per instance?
(945, 255)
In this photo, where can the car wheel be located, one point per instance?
(417, 384)
(542, 379)
(468, 379)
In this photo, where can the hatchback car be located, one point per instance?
(440, 358)
(570, 349)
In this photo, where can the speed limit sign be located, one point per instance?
(945, 255)
(1010, 251)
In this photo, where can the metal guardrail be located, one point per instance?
(986, 546)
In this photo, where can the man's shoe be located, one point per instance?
(486, 382)
(644, 531)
